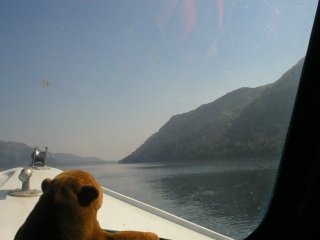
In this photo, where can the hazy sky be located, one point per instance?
(97, 78)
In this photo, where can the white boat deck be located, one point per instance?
(117, 213)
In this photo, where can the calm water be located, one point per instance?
(227, 197)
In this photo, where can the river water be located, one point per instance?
(229, 197)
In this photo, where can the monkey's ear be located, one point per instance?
(87, 194)
(45, 183)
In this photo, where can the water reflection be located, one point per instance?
(220, 200)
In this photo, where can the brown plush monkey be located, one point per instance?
(67, 210)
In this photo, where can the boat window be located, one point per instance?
(181, 104)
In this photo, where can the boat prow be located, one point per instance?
(118, 212)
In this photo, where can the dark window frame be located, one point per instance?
(294, 210)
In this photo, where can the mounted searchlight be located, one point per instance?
(24, 177)
(25, 190)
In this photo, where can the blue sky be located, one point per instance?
(118, 70)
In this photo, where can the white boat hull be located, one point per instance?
(118, 212)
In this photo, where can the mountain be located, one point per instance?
(245, 123)
(14, 154)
